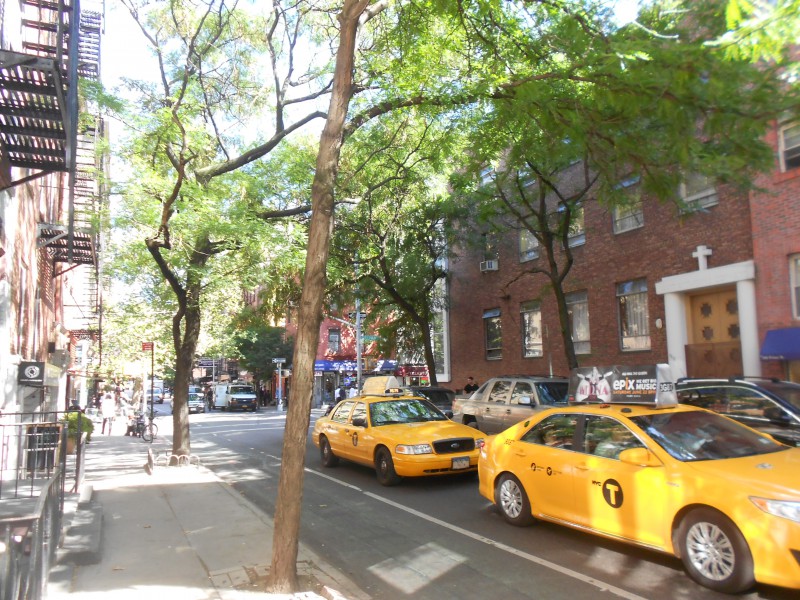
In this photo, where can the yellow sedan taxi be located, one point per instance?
(398, 434)
(720, 496)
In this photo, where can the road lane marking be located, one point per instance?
(601, 585)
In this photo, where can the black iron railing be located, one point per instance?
(29, 543)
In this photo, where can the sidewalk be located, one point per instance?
(180, 533)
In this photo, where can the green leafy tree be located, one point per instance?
(192, 145)
(392, 247)
(473, 56)
(256, 343)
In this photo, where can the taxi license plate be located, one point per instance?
(462, 462)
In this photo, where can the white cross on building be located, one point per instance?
(701, 254)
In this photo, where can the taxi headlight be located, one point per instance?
(414, 449)
(779, 508)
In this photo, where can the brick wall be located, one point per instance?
(775, 214)
(661, 248)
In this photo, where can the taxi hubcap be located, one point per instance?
(710, 551)
(511, 498)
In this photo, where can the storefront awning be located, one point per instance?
(781, 344)
(335, 365)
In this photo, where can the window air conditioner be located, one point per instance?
(489, 265)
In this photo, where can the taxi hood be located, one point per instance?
(774, 473)
(427, 431)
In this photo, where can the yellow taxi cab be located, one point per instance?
(627, 462)
(400, 434)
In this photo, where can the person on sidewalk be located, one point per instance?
(471, 386)
(108, 410)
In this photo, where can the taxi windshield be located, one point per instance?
(392, 412)
(699, 435)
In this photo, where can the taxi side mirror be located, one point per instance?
(359, 421)
(640, 457)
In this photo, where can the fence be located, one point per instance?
(30, 543)
(32, 445)
(37, 463)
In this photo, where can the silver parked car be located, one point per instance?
(505, 401)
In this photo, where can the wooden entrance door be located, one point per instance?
(714, 348)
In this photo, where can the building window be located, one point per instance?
(490, 249)
(578, 312)
(528, 246)
(334, 340)
(790, 147)
(577, 231)
(634, 328)
(794, 275)
(698, 192)
(493, 333)
(628, 215)
(531, 329)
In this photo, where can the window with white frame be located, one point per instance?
(634, 328)
(628, 214)
(493, 334)
(528, 246)
(334, 340)
(531, 313)
(576, 227)
(578, 312)
(794, 276)
(698, 192)
(790, 146)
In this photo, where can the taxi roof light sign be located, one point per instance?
(650, 385)
(381, 385)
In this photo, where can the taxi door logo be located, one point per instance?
(612, 492)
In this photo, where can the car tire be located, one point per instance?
(511, 499)
(384, 468)
(328, 458)
(472, 423)
(714, 552)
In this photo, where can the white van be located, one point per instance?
(220, 399)
(235, 396)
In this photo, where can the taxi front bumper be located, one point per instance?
(420, 465)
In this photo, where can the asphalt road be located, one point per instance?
(434, 538)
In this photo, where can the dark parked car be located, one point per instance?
(441, 398)
(769, 405)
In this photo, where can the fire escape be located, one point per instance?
(40, 134)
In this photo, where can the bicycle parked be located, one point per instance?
(145, 427)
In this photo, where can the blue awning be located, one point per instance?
(781, 344)
(335, 365)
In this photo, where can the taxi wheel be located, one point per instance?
(510, 497)
(714, 552)
(384, 467)
(329, 459)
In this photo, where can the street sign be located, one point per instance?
(279, 360)
(209, 362)
(371, 338)
(352, 315)
(147, 346)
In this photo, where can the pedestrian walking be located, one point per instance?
(108, 410)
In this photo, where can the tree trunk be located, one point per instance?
(283, 570)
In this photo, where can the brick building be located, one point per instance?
(775, 215)
(698, 289)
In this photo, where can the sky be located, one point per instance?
(124, 51)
